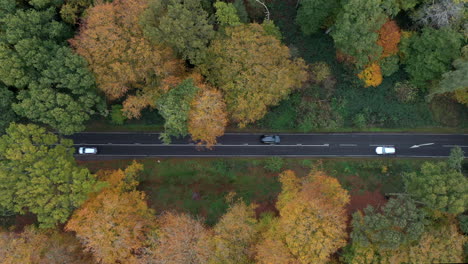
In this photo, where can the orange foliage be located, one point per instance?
(207, 117)
(389, 37)
(112, 42)
(114, 225)
(372, 75)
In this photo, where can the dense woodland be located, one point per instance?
(199, 67)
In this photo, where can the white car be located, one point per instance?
(87, 151)
(385, 150)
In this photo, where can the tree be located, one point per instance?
(6, 113)
(455, 81)
(55, 88)
(122, 60)
(182, 239)
(438, 245)
(174, 106)
(399, 224)
(65, 111)
(207, 117)
(393, 7)
(38, 174)
(429, 54)
(234, 235)
(34, 245)
(455, 159)
(115, 224)
(372, 75)
(226, 14)
(312, 223)
(356, 30)
(182, 24)
(439, 187)
(241, 11)
(312, 14)
(439, 14)
(254, 70)
(389, 38)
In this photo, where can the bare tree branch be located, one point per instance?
(267, 12)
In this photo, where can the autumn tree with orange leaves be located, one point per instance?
(207, 117)
(389, 37)
(114, 224)
(122, 60)
(312, 222)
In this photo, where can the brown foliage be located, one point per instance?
(207, 117)
(389, 37)
(181, 240)
(121, 58)
(34, 246)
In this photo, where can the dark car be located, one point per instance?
(270, 139)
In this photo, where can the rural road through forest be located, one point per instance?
(119, 145)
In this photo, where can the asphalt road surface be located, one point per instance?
(114, 145)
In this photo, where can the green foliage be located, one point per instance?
(55, 85)
(226, 14)
(389, 65)
(116, 115)
(405, 91)
(72, 9)
(356, 30)
(399, 224)
(241, 11)
(359, 120)
(174, 106)
(38, 174)
(6, 113)
(455, 80)
(312, 14)
(183, 25)
(428, 55)
(393, 7)
(455, 159)
(274, 164)
(439, 187)
(463, 221)
(38, 4)
(271, 29)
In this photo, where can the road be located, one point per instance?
(112, 145)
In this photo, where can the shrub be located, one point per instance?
(274, 164)
(372, 75)
(117, 117)
(359, 121)
(405, 91)
(320, 71)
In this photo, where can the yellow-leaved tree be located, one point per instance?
(234, 235)
(253, 69)
(312, 222)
